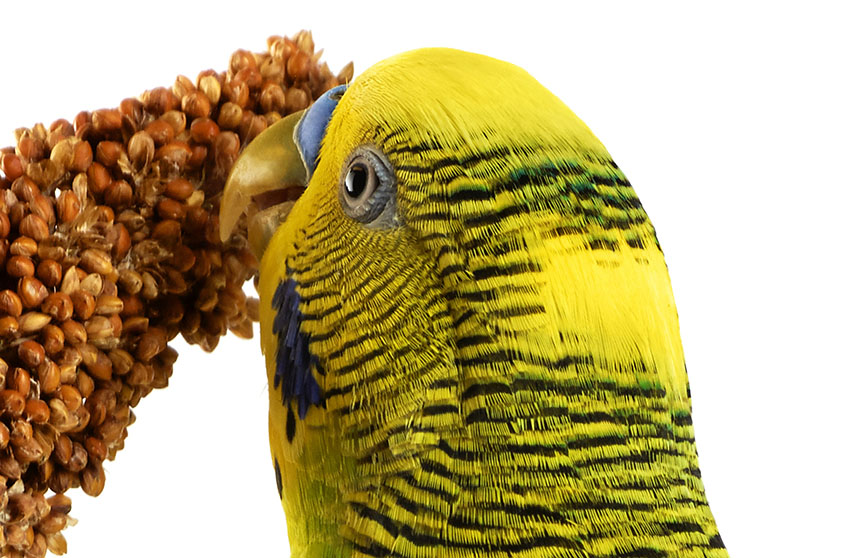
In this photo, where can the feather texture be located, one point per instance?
(502, 374)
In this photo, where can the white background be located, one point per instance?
(730, 121)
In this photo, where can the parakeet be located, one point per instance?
(470, 335)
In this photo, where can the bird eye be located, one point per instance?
(359, 182)
(368, 187)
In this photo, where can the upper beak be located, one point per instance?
(271, 173)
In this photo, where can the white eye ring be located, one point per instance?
(367, 185)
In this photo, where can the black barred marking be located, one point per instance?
(290, 424)
(432, 167)
(472, 340)
(432, 410)
(518, 449)
(361, 360)
(505, 270)
(716, 542)
(411, 481)
(683, 527)
(425, 540)
(602, 244)
(683, 420)
(489, 388)
(277, 478)
(641, 553)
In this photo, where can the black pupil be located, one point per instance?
(356, 181)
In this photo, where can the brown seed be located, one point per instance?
(4, 436)
(21, 507)
(33, 321)
(48, 376)
(203, 130)
(42, 207)
(83, 304)
(19, 380)
(251, 126)
(160, 131)
(5, 225)
(53, 523)
(230, 116)
(96, 261)
(9, 326)
(179, 189)
(63, 152)
(109, 153)
(175, 153)
(97, 363)
(167, 232)
(79, 458)
(85, 383)
(151, 344)
(92, 284)
(150, 289)
(37, 411)
(211, 87)
(92, 478)
(296, 99)
(108, 304)
(183, 258)
(96, 448)
(34, 227)
(118, 194)
(58, 305)
(122, 361)
(23, 246)
(196, 104)
(53, 339)
(82, 157)
(119, 237)
(298, 65)
(98, 177)
(20, 266)
(11, 166)
(105, 121)
(68, 205)
(272, 97)
(177, 119)
(140, 374)
(31, 291)
(63, 449)
(136, 325)
(31, 354)
(182, 86)
(168, 208)
(11, 469)
(62, 480)
(10, 303)
(141, 147)
(60, 418)
(12, 403)
(59, 503)
(130, 281)
(50, 272)
(159, 100)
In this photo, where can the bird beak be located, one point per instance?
(265, 181)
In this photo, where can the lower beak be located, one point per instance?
(265, 180)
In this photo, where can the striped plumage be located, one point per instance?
(500, 374)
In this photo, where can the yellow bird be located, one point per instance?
(471, 340)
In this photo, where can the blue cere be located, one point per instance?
(311, 129)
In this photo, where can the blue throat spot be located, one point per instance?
(293, 361)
